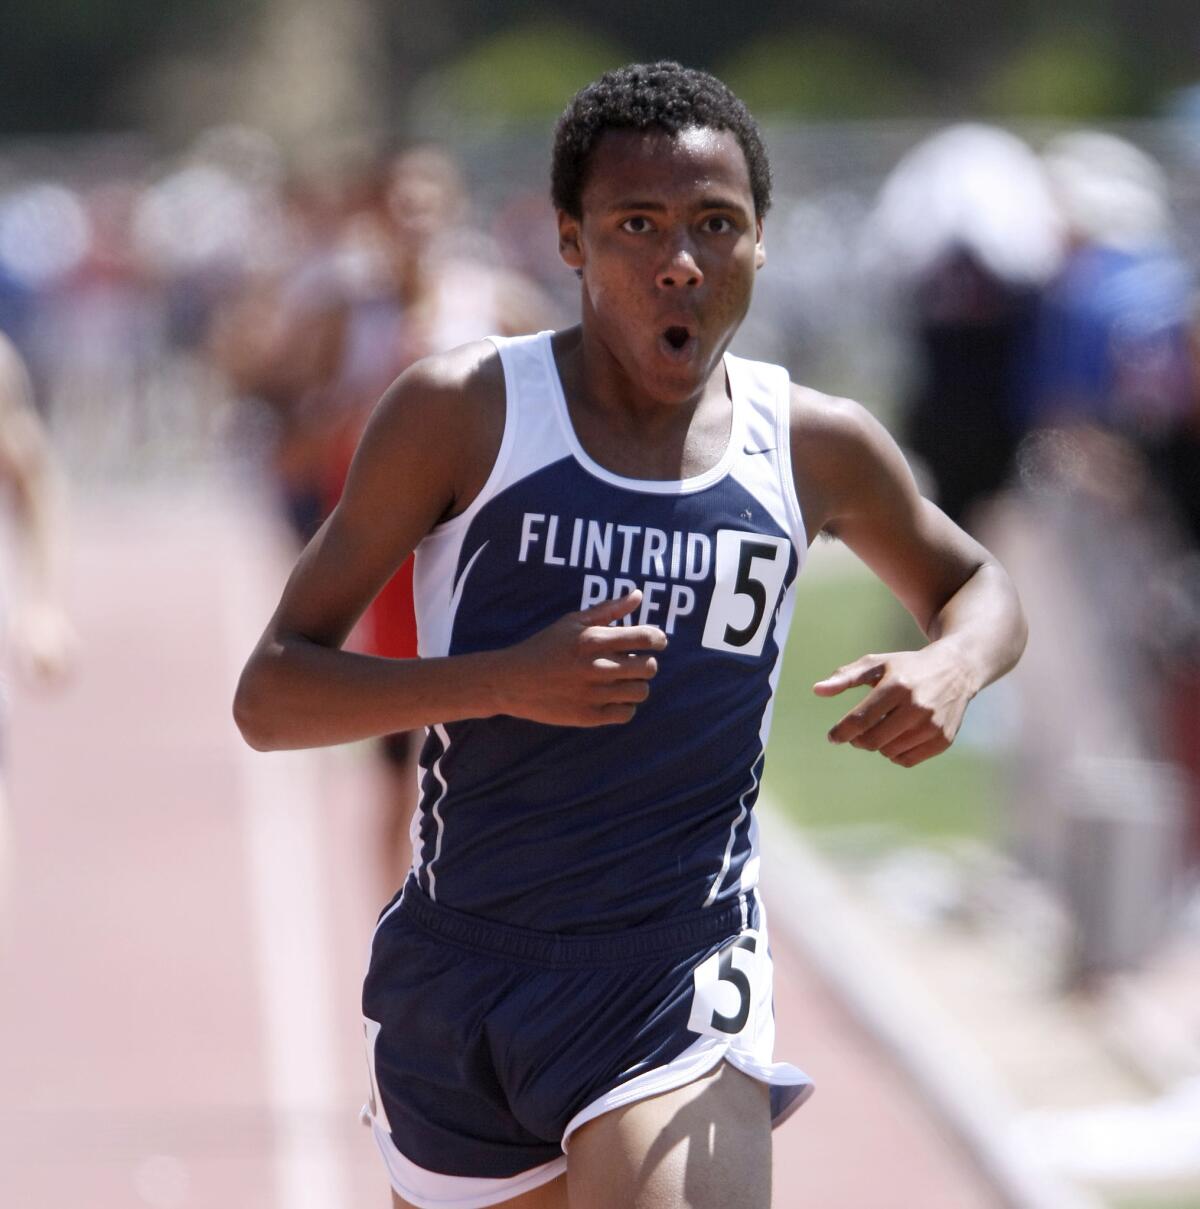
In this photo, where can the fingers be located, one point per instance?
(619, 706)
(611, 610)
(913, 711)
(626, 692)
(871, 710)
(920, 751)
(891, 726)
(607, 715)
(602, 633)
(633, 665)
(867, 670)
(627, 638)
(890, 723)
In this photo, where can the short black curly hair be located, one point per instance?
(645, 96)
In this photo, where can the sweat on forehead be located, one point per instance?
(655, 96)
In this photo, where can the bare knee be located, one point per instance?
(706, 1145)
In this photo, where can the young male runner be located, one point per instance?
(609, 522)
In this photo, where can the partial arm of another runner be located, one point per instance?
(42, 637)
(855, 485)
(425, 455)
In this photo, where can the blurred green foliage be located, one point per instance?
(522, 74)
(69, 64)
(1069, 73)
(822, 75)
(65, 64)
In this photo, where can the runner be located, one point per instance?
(41, 640)
(570, 1000)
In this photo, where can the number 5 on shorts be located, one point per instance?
(723, 995)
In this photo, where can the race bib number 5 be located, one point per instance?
(724, 991)
(749, 573)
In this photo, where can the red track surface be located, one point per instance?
(140, 1062)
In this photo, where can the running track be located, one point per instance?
(185, 923)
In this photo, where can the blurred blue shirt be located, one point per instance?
(1111, 340)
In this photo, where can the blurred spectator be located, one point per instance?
(40, 638)
(1112, 342)
(278, 339)
(1111, 389)
(968, 230)
(405, 275)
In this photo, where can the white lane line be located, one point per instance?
(289, 907)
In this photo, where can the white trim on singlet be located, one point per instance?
(697, 482)
(456, 595)
(436, 809)
(499, 466)
(743, 811)
(787, 475)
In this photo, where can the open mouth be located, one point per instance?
(677, 341)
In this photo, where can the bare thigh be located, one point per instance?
(706, 1145)
(549, 1196)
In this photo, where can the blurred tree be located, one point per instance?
(67, 64)
(822, 75)
(307, 72)
(1080, 74)
(521, 74)
(62, 62)
(697, 32)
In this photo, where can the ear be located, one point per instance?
(570, 242)
(760, 249)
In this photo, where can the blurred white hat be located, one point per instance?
(973, 187)
(1110, 191)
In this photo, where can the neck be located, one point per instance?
(596, 378)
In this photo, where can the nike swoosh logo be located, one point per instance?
(462, 580)
(768, 449)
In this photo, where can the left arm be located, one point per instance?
(855, 485)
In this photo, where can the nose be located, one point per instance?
(680, 269)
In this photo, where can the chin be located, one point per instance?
(683, 375)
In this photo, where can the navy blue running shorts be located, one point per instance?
(489, 1045)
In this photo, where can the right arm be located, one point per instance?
(424, 456)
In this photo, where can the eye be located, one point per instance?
(639, 224)
(718, 224)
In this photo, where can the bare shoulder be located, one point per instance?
(445, 413)
(841, 456)
(451, 392)
(427, 449)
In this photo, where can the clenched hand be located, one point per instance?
(582, 670)
(915, 706)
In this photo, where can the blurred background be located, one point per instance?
(225, 228)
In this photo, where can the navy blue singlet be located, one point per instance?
(578, 830)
